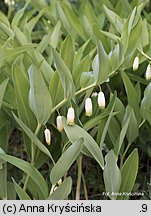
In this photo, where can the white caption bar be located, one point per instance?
(85, 208)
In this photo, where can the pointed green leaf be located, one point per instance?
(64, 74)
(75, 132)
(3, 86)
(39, 97)
(65, 161)
(20, 192)
(129, 172)
(21, 86)
(33, 137)
(67, 52)
(30, 170)
(112, 175)
(132, 96)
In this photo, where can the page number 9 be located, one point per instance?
(144, 208)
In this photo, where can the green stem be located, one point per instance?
(33, 151)
(85, 188)
(79, 178)
(76, 93)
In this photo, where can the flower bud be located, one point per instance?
(60, 182)
(70, 116)
(88, 107)
(94, 94)
(55, 188)
(148, 72)
(108, 80)
(59, 123)
(47, 136)
(101, 100)
(9, 2)
(136, 63)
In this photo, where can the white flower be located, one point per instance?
(108, 80)
(148, 72)
(60, 182)
(9, 2)
(101, 100)
(55, 188)
(59, 123)
(70, 116)
(136, 63)
(47, 136)
(94, 94)
(88, 107)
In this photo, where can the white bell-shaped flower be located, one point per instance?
(88, 107)
(59, 123)
(70, 116)
(101, 100)
(148, 72)
(136, 63)
(47, 136)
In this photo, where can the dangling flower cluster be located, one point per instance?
(47, 136)
(88, 103)
(136, 63)
(71, 114)
(148, 72)
(9, 2)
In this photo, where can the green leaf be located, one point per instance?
(67, 52)
(30, 170)
(133, 42)
(56, 91)
(21, 193)
(3, 86)
(132, 96)
(65, 161)
(75, 132)
(74, 21)
(19, 15)
(3, 51)
(78, 55)
(21, 86)
(106, 126)
(64, 74)
(112, 175)
(11, 193)
(33, 137)
(101, 64)
(129, 172)
(54, 39)
(3, 180)
(63, 17)
(87, 78)
(62, 192)
(122, 136)
(116, 21)
(16, 51)
(95, 121)
(148, 116)
(133, 128)
(34, 20)
(39, 97)
(146, 102)
(84, 65)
